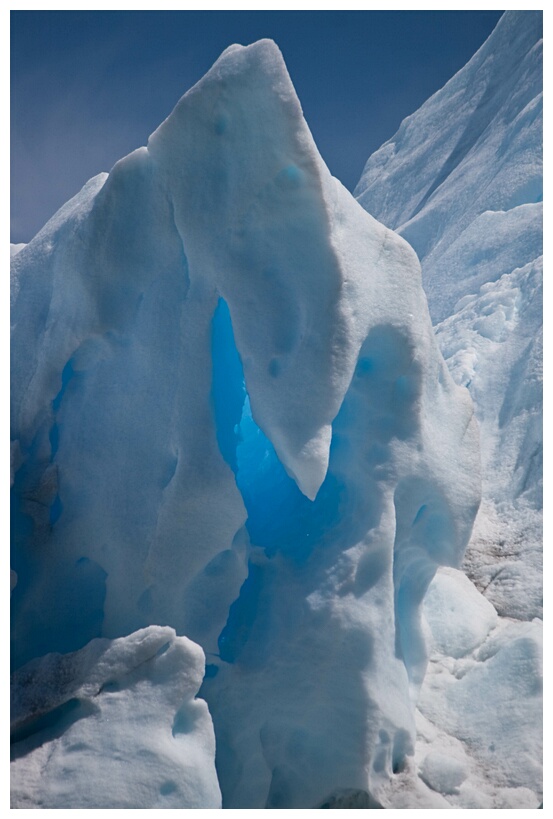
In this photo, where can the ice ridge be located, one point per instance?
(462, 181)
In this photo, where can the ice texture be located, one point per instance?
(493, 343)
(470, 155)
(504, 740)
(232, 417)
(462, 181)
(459, 617)
(114, 725)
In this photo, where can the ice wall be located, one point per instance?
(466, 165)
(230, 415)
(461, 180)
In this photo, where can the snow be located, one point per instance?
(443, 773)
(114, 725)
(232, 417)
(504, 738)
(479, 714)
(478, 790)
(459, 617)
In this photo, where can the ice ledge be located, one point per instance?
(114, 725)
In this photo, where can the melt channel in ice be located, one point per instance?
(230, 416)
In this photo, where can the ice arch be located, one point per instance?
(145, 491)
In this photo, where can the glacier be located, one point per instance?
(462, 181)
(232, 422)
(230, 417)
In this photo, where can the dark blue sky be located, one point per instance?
(89, 87)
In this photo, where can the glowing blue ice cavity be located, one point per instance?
(280, 518)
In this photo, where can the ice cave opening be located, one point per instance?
(281, 519)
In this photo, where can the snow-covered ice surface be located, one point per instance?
(462, 181)
(114, 725)
(230, 415)
(481, 702)
(493, 344)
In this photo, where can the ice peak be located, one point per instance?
(233, 418)
(262, 56)
(251, 200)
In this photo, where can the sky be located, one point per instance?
(88, 87)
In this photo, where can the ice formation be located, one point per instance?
(112, 725)
(462, 181)
(464, 163)
(230, 416)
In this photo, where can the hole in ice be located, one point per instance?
(280, 517)
(167, 788)
(402, 748)
(281, 520)
(211, 670)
